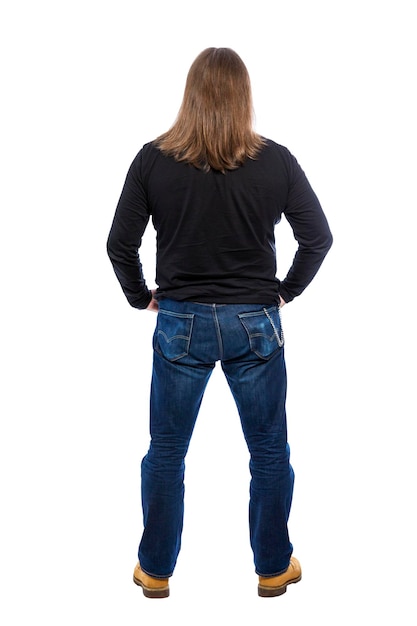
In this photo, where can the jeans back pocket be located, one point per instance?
(173, 334)
(264, 330)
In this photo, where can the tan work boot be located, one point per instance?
(277, 585)
(152, 587)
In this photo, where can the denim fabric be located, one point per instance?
(248, 341)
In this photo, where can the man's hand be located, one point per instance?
(153, 304)
(281, 302)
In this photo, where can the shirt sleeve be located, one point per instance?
(311, 230)
(125, 237)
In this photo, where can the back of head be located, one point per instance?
(214, 127)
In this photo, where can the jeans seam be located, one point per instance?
(218, 332)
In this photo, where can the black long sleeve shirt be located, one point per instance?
(214, 231)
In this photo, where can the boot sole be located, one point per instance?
(271, 592)
(152, 593)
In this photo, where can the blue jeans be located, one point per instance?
(248, 341)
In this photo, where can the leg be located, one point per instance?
(176, 393)
(258, 384)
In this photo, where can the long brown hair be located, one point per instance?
(214, 126)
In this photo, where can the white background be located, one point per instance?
(84, 85)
